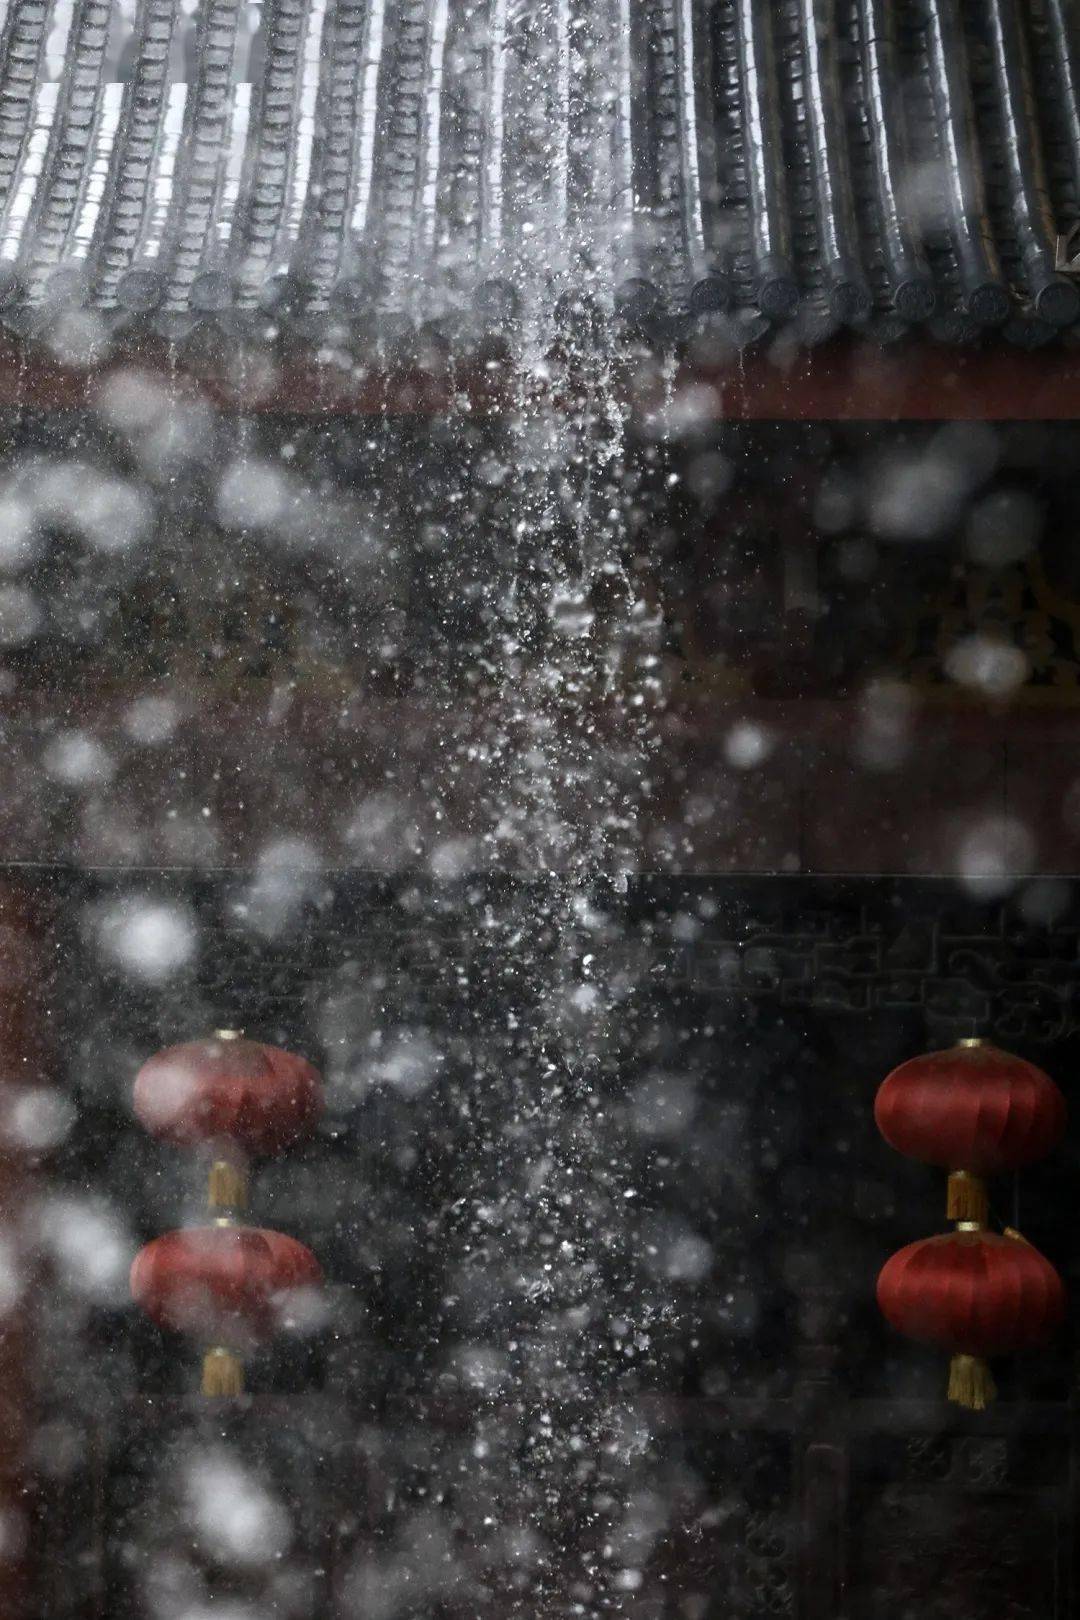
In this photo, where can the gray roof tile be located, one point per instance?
(872, 163)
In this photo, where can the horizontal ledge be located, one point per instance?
(844, 380)
(847, 1416)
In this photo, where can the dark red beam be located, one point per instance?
(846, 380)
(389, 785)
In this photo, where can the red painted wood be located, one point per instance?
(389, 784)
(1043, 788)
(845, 380)
(928, 382)
(24, 934)
(936, 809)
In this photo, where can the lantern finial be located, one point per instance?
(971, 1383)
(227, 1186)
(967, 1198)
(222, 1373)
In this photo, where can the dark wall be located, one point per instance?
(708, 1154)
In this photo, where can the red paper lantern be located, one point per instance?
(239, 1097)
(974, 1295)
(972, 1110)
(258, 1096)
(228, 1286)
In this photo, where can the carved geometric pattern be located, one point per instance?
(767, 1566)
(963, 967)
(940, 1555)
(1006, 978)
(982, 1463)
(928, 1459)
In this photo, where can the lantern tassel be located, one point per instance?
(222, 1373)
(968, 1199)
(971, 1383)
(227, 1187)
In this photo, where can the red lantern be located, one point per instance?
(238, 1096)
(226, 1285)
(972, 1110)
(974, 1295)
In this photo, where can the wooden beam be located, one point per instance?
(845, 380)
(25, 930)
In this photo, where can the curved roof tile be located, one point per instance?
(870, 163)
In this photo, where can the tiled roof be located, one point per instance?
(798, 163)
